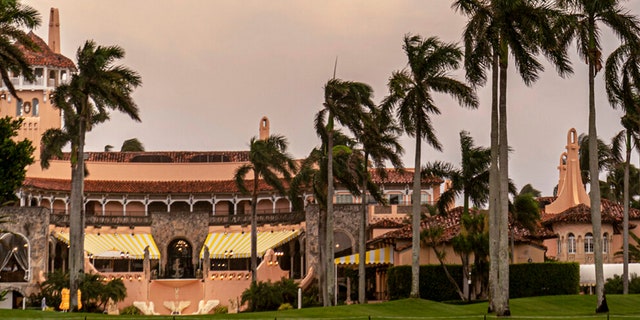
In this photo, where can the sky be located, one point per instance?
(212, 69)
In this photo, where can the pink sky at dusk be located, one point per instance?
(211, 69)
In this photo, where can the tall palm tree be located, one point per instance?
(622, 78)
(411, 92)
(379, 140)
(471, 181)
(268, 160)
(99, 86)
(15, 16)
(345, 102)
(312, 178)
(583, 24)
(496, 30)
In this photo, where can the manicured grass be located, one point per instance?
(575, 307)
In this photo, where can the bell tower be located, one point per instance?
(54, 30)
(264, 128)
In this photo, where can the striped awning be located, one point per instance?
(377, 256)
(108, 246)
(220, 244)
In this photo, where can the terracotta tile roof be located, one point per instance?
(451, 227)
(44, 57)
(405, 176)
(166, 156)
(386, 224)
(611, 213)
(142, 187)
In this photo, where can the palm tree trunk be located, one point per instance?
(76, 222)
(502, 306)
(415, 219)
(254, 230)
(494, 192)
(594, 190)
(362, 250)
(330, 274)
(625, 218)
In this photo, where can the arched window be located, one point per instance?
(571, 243)
(605, 242)
(588, 243)
(35, 107)
(559, 246)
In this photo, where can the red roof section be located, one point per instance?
(396, 176)
(44, 57)
(451, 227)
(167, 156)
(144, 187)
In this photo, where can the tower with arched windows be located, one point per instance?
(33, 103)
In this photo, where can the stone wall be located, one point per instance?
(191, 226)
(346, 219)
(33, 224)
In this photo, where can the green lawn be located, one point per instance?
(551, 307)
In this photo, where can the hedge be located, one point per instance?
(525, 280)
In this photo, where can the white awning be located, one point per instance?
(588, 272)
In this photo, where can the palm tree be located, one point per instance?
(605, 158)
(471, 181)
(99, 86)
(411, 92)
(15, 16)
(622, 77)
(344, 101)
(313, 175)
(583, 24)
(496, 30)
(132, 145)
(379, 139)
(268, 160)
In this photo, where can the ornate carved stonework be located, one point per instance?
(33, 224)
(168, 226)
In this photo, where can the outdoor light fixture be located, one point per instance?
(130, 278)
(139, 278)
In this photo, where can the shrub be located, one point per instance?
(95, 293)
(434, 284)
(614, 285)
(285, 306)
(131, 311)
(221, 309)
(264, 296)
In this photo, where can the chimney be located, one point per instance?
(54, 30)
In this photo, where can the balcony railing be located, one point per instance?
(261, 219)
(62, 220)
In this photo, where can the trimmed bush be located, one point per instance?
(543, 279)
(434, 284)
(525, 280)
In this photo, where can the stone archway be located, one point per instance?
(179, 262)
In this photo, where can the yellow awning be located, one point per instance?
(377, 256)
(108, 246)
(240, 243)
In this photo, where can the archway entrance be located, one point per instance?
(179, 263)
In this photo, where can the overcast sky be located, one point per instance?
(211, 69)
